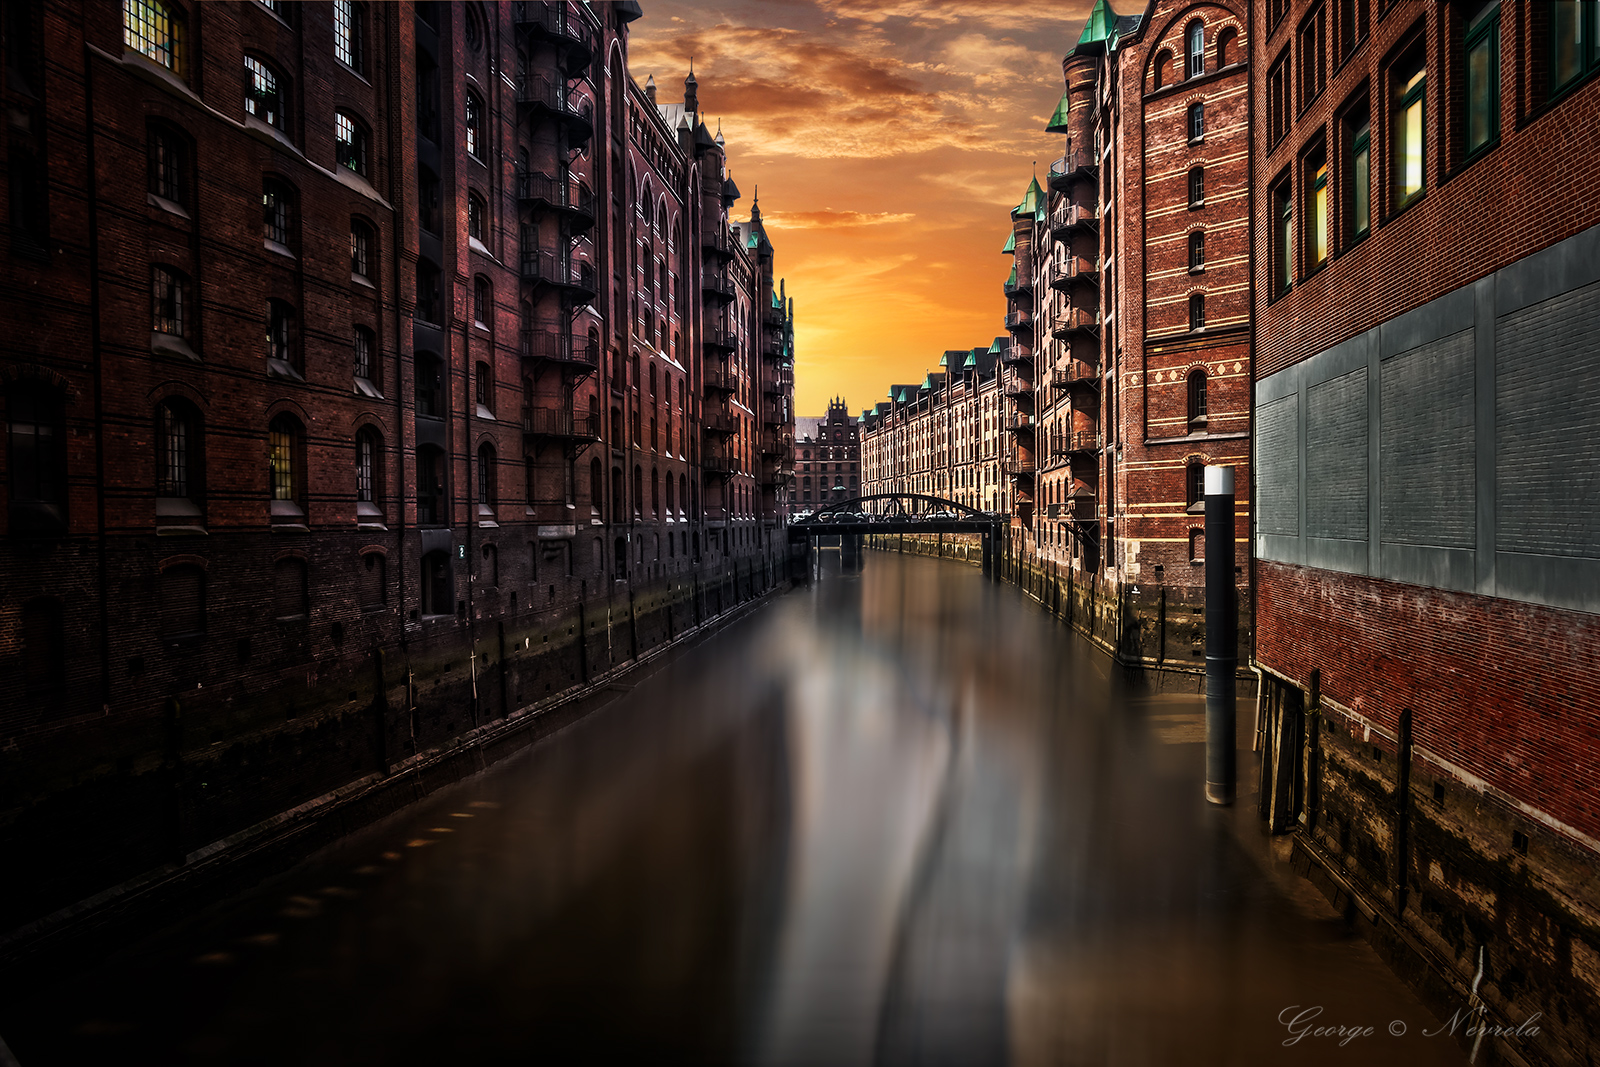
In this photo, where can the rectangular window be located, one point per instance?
(1574, 51)
(1483, 80)
(1352, 25)
(350, 144)
(173, 479)
(1360, 196)
(1197, 121)
(167, 293)
(1283, 238)
(360, 250)
(1409, 82)
(1313, 60)
(281, 445)
(348, 36)
(166, 165)
(275, 213)
(1316, 185)
(1278, 100)
(363, 353)
(149, 28)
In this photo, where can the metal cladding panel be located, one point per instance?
(1336, 457)
(1429, 485)
(1277, 467)
(1547, 411)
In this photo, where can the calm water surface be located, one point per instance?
(899, 817)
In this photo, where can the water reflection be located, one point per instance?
(896, 817)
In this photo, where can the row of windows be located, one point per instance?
(158, 30)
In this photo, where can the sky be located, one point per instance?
(889, 140)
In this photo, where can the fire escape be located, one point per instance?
(1019, 458)
(1074, 271)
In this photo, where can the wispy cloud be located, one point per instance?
(831, 220)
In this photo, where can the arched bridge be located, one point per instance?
(902, 513)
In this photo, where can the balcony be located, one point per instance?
(1016, 354)
(776, 443)
(566, 194)
(1023, 283)
(719, 461)
(719, 379)
(560, 423)
(718, 286)
(1067, 218)
(553, 21)
(1018, 387)
(716, 244)
(774, 347)
(1064, 272)
(548, 342)
(1019, 319)
(1081, 442)
(1017, 422)
(1017, 464)
(1075, 372)
(718, 339)
(1077, 320)
(774, 318)
(547, 266)
(717, 421)
(1083, 508)
(1074, 166)
(547, 96)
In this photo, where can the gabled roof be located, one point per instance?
(1011, 280)
(971, 360)
(1011, 243)
(1032, 199)
(1058, 120)
(1100, 24)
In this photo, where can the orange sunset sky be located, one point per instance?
(889, 141)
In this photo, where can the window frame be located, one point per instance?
(1483, 30)
(1402, 96)
(167, 159)
(1197, 251)
(136, 39)
(352, 154)
(1318, 218)
(170, 301)
(286, 466)
(274, 97)
(363, 249)
(1195, 121)
(282, 337)
(1281, 261)
(1197, 187)
(365, 338)
(350, 35)
(36, 485)
(1197, 398)
(1356, 123)
(278, 202)
(472, 127)
(1194, 50)
(477, 216)
(1197, 312)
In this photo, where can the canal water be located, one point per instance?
(900, 816)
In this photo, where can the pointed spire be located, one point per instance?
(1058, 120)
(650, 88)
(691, 95)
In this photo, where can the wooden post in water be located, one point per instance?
(1222, 637)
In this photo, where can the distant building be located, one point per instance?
(828, 466)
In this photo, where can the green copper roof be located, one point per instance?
(927, 383)
(1011, 243)
(1012, 281)
(999, 343)
(1058, 121)
(1102, 21)
(944, 360)
(972, 361)
(1032, 200)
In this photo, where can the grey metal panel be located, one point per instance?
(1441, 568)
(435, 540)
(1278, 549)
(1336, 555)
(1277, 466)
(1557, 581)
(1427, 461)
(1483, 358)
(1549, 272)
(1547, 426)
(1336, 457)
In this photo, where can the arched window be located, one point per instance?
(350, 34)
(438, 591)
(481, 301)
(1195, 485)
(1197, 311)
(366, 366)
(1197, 398)
(277, 213)
(429, 386)
(363, 246)
(596, 489)
(289, 594)
(180, 470)
(477, 217)
(154, 29)
(655, 493)
(1158, 71)
(432, 503)
(351, 142)
(474, 125)
(1197, 187)
(669, 494)
(1197, 251)
(488, 494)
(282, 344)
(265, 92)
(1195, 48)
(169, 294)
(183, 601)
(683, 493)
(168, 164)
(638, 491)
(369, 474)
(1196, 118)
(286, 468)
(1226, 40)
(36, 460)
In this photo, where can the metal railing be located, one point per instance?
(1074, 371)
(716, 241)
(720, 378)
(569, 192)
(719, 421)
(1016, 353)
(1017, 463)
(1062, 170)
(717, 337)
(552, 18)
(719, 461)
(1019, 317)
(1017, 385)
(1077, 318)
(537, 90)
(557, 268)
(551, 343)
(717, 284)
(560, 422)
(1077, 441)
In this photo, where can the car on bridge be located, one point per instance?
(940, 515)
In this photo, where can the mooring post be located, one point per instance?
(1222, 637)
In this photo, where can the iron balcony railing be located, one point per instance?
(553, 19)
(1022, 283)
(1018, 386)
(1017, 422)
(577, 111)
(1068, 217)
(1076, 319)
(557, 268)
(1017, 462)
(1079, 164)
(720, 379)
(549, 342)
(1016, 353)
(564, 192)
(775, 443)
(774, 317)
(719, 461)
(1079, 441)
(717, 285)
(1075, 372)
(560, 422)
(1019, 318)
(716, 243)
(715, 420)
(1063, 271)
(719, 338)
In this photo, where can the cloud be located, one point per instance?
(830, 219)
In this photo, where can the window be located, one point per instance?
(1313, 61)
(264, 96)
(1278, 100)
(596, 489)
(1408, 81)
(474, 125)
(1574, 52)
(1283, 239)
(1197, 121)
(1158, 69)
(1352, 25)
(1197, 187)
(428, 200)
(361, 246)
(1359, 197)
(486, 481)
(36, 432)
(484, 392)
(432, 505)
(428, 292)
(1195, 485)
(430, 387)
(1197, 398)
(374, 588)
(179, 470)
(169, 164)
(477, 212)
(151, 28)
(183, 601)
(474, 22)
(1197, 546)
(1482, 117)
(480, 300)
(276, 206)
(1197, 251)
(437, 584)
(366, 356)
(368, 448)
(285, 467)
(1277, 9)
(427, 97)
(1316, 186)
(1227, 41)
(349, 34)
(1197, 311)
(350, 138)
(289, 588)
(281, 347)
(170, 306)
(1195, 49)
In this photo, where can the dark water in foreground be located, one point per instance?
(899, 817)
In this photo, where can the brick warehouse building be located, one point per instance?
(828, 466)
(274, 523)
(1427, 539)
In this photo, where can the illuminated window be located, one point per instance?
(349, 34)
(350, 142)
(1316, 230)
(263, 93)
(150, 28)
(169, 303)
(1409, 81)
